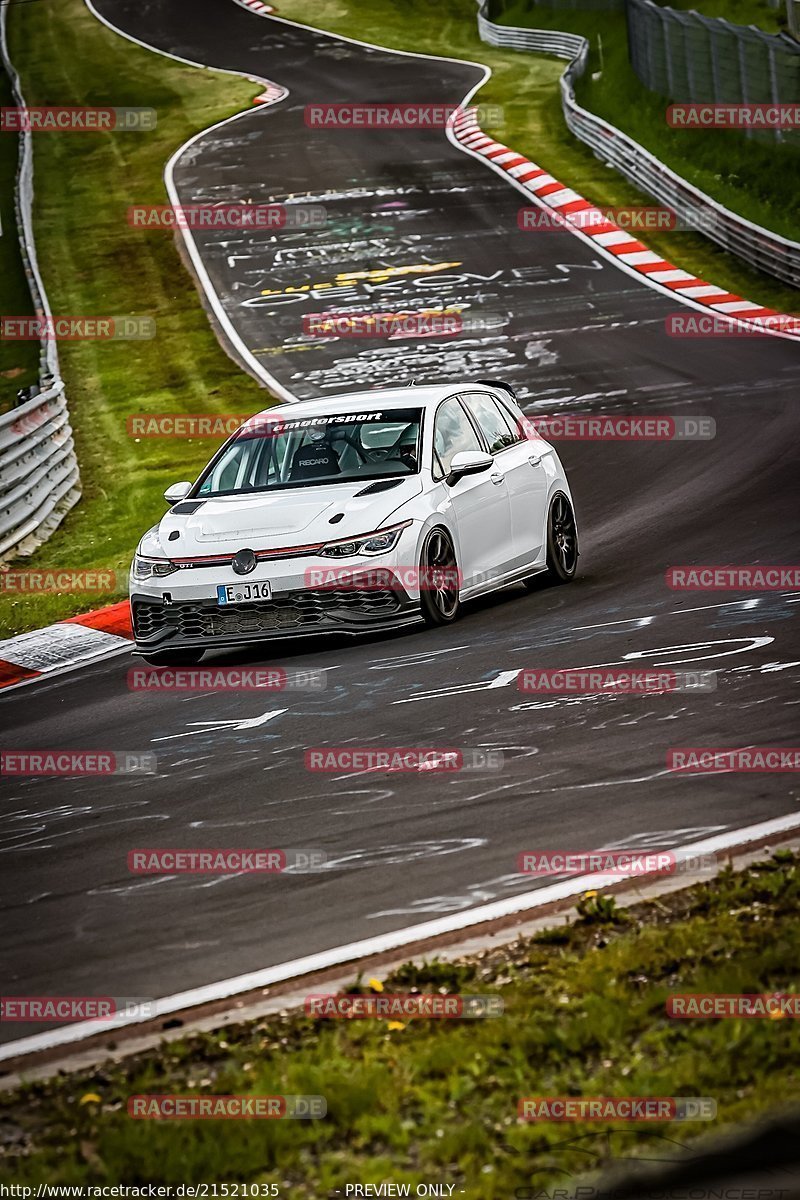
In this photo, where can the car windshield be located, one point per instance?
(272, 452)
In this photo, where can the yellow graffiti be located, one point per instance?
(380, 274)
(345, 277)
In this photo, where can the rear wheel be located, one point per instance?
(174, 658)
(439, 586)
(562, 545)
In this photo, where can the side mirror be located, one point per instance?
(468, 462)
(176, 492)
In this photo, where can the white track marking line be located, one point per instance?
(226, 988)
(225, 322)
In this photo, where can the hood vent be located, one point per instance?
(380, 485)
(186, 507)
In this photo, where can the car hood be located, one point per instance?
(282, 519)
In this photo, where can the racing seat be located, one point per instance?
(315, 460)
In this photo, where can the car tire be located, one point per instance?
(438, 605)
(174, 658)
(562, 545)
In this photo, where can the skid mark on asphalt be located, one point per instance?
(512, 882)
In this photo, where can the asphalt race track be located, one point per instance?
(581, 772)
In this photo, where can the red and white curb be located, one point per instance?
(274, 92)
(67, 644)
(545, 190)
(261, 10)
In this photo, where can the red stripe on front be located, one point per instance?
(261, 555)
(114, 619)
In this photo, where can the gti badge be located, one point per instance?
(244, 562)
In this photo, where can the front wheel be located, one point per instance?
(174, 658)
(562, 545)
(438, 579)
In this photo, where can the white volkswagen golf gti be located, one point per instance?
(356, 512)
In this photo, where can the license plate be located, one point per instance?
(242, 593)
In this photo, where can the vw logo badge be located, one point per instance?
(244, 562)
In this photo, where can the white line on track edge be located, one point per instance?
(225, 322)
(238, 984)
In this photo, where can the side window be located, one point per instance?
(495, 423)
(452, 433)
(516, 418)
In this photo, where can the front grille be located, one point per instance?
(295, 610)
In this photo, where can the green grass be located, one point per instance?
(94, 263)
(436, 1100)
(19, 361)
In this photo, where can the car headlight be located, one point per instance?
(151, 568)
(371, 543)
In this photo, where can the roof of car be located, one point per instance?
(410, 396)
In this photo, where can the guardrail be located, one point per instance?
(39, 478)
(38, 471)
(759, 247)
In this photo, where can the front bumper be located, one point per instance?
(168, 619)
